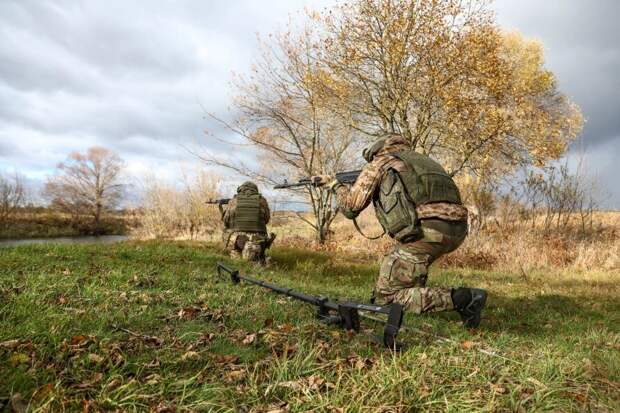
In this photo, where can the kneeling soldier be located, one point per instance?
(418, 204)
(245, 224)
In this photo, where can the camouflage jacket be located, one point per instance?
(354, 200)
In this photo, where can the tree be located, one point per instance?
(12, 196)
(283, 113)
(87, 183)
(439, 72)
(444, 75)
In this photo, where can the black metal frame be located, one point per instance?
(343, 314)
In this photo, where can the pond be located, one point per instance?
(83, 239)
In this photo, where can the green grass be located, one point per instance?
(145, 326)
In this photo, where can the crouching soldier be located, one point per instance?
(245, 224)
(418, 204)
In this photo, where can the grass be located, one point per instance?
(141, 326)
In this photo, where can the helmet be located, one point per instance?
(389, 143)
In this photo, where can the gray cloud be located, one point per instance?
(581, 41)
(133, 76)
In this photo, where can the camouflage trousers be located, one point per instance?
(247, 245)
(404, 270)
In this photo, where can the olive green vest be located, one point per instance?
(248, 216)
(424, 181)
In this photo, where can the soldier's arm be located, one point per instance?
(354, 200)
(230, 209)
(264, 206)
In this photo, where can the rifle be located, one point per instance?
(342, 314)
(347, 177)
(222, 201)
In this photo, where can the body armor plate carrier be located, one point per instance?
(424, 181)
(248, 216)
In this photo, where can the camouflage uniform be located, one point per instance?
(241, 239)
(440, 228)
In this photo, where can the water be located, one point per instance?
(84, 239)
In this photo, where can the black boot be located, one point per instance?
(469, 302)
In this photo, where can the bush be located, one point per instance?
(173, 212)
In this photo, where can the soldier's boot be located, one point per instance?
(469, 302)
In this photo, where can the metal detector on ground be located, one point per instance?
(345, 315)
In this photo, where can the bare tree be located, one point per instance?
(283, 113)
(12, 196)
(87, 184)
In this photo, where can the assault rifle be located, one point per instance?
(342, 314)
(348, 177)
(222, 201)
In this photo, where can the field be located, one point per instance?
(141, 326)
(47, 223)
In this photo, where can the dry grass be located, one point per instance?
(171, 212)
(46, 223)
(514, 246)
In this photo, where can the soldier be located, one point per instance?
(245, 224)
(418, 204)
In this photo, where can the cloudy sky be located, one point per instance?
(137, 76)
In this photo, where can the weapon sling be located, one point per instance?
(364, 235)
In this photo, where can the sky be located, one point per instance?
(137, 77)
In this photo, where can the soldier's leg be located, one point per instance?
(404, 272)
(254, 248)
(403, 276)
(235, 244)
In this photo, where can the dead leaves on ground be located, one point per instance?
(197, 311)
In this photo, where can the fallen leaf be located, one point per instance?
(95, 358)
(235, 375)
(296, 385)
(152, 379)
(10, 344)
(315, 382)
(165, 408)
(19, 358)
(79, 340)
(190, 355)
(43, 391)
(467, 344)
(18, 404)
(113, 384)
(424, 391)
(268, 322)
(226, 359)
(286, 328)
(497, 388)
(249, 339)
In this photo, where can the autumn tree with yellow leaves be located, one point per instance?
(446, 77)
(439, 72)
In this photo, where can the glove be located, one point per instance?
(333, 185)
(321, 180)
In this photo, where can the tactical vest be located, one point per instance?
(248, 216)
(424, 181)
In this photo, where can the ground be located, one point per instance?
(146, 326)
